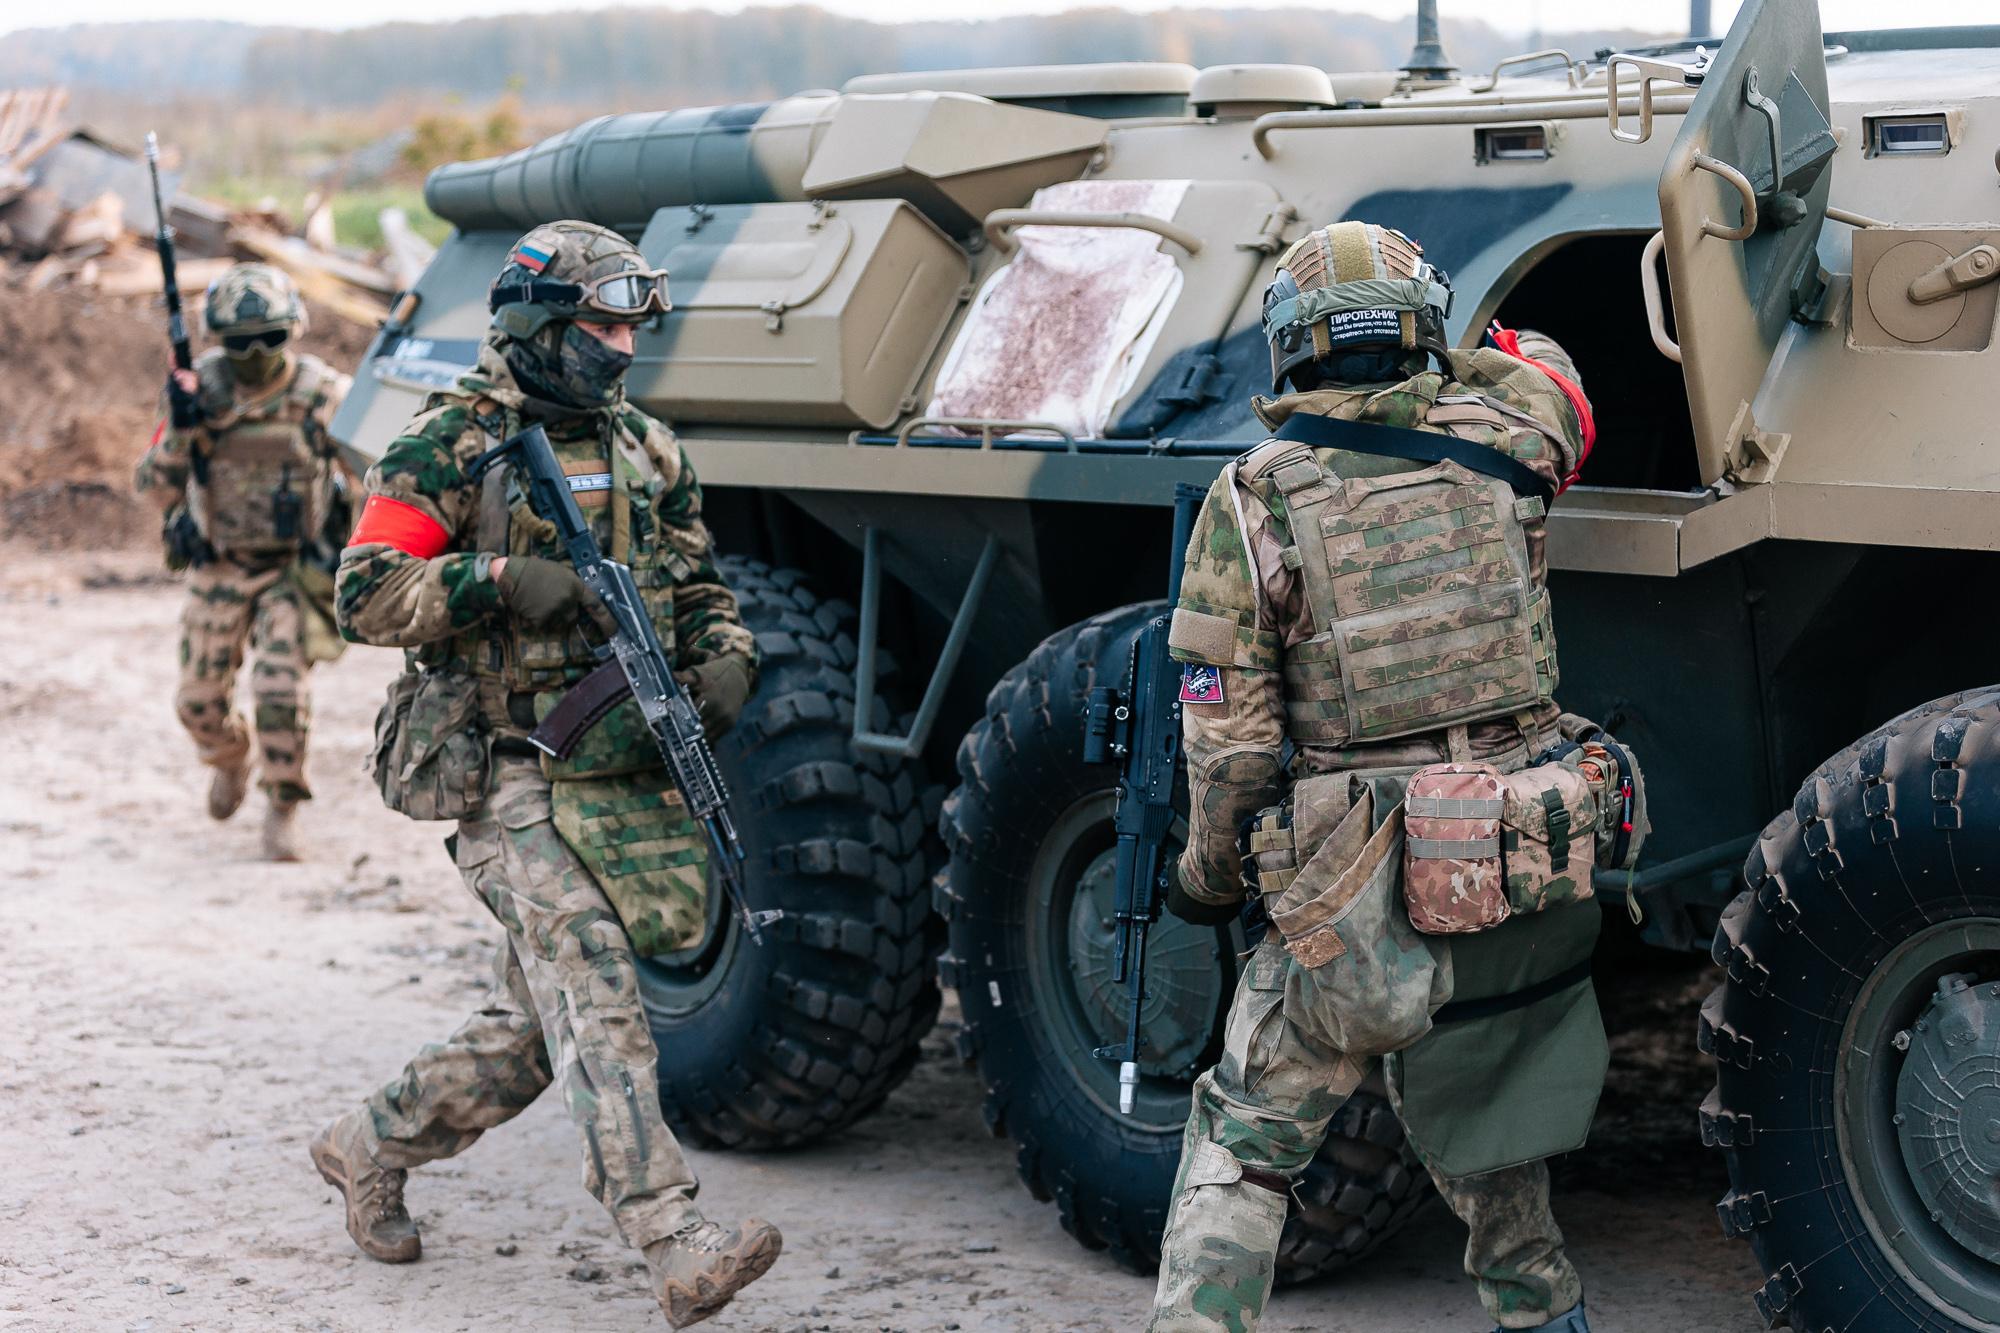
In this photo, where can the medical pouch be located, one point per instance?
(1483, 846)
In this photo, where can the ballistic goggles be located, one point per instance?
(262, 340)
(618, 297)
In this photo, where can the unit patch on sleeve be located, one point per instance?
(1200, 684)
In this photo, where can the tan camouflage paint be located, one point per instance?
(228, 611)
(1244, 610)
(563, 1009)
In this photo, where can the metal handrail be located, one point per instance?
(986, 426)
(1570, 67)
(1000, 224)
(1649, 287)
(1650, 71)
(1709, 226)
(1482, 113)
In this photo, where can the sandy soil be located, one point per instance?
(179, 1017)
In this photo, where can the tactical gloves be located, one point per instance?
(543, 593)
(720, 686)
(183, 408)
(1193, 910)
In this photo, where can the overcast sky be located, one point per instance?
(1521, 15)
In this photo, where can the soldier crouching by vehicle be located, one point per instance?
(248, 476)
(1370, 586)
(586, 861)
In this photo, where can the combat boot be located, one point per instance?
(376, 1217)
(1571, 1322)
(226, 790)
(698, 1268)
(279, 842)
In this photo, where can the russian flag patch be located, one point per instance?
(531, 258)
(1200, 684)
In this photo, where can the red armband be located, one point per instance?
(1509, 341)
(403, 526)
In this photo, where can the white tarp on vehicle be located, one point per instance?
(1059, 333)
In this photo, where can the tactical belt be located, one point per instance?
(1417, 446)
(1461, 1011)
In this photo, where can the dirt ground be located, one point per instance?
(180, 1017)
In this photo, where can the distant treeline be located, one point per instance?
(658, 57)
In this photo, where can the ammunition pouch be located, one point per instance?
(185, 547)
(433, 753)
(1327, 861)
(319, 635)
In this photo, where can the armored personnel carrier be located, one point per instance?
(941, 346)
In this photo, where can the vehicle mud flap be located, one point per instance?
(1512, 1068)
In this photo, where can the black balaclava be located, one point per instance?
(564, 365)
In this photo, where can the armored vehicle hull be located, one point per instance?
(941, 347)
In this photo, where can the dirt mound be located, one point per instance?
(79, 387)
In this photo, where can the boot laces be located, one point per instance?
(703, 1237)
(382, 1196)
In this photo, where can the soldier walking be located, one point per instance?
(245, 469)
(1300, 622)
(585, 861)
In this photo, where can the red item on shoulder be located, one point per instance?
(404, 526)
(1509, 341)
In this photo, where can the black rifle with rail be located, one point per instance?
(635, 664)
(1139, 729)
(185, 544)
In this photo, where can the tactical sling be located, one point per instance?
(1417, 446)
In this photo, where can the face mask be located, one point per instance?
(562, 364)
(258, 366)
(591, 369)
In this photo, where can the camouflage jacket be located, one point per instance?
(235, 440)
(1234, 745)
(392, 597)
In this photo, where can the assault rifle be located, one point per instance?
(1140, 730)
(635, 664)
(182, 535)
(177, 330)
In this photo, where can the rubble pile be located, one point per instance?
(76, 211)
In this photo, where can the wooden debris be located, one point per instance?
(78, 208)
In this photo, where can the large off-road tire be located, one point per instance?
(1027, 901)
(779, 1044)
(1857, 1039)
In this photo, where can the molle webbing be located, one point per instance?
(1422, 607)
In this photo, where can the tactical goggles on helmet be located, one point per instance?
(626, 297)
(263, 340)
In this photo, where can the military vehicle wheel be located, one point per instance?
(1027, 900)
(1857, 1039)
(779, 1045)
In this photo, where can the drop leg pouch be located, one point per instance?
(634, 834)
(1366, 982)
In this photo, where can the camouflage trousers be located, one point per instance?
(1258, 1118)
(229, 611)
(563, 1009)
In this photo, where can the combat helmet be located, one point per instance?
(1350, 303)
(557, 274)
(254, 309)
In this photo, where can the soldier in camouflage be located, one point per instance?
(587, 861)
(243, 464)
(1355, 318)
